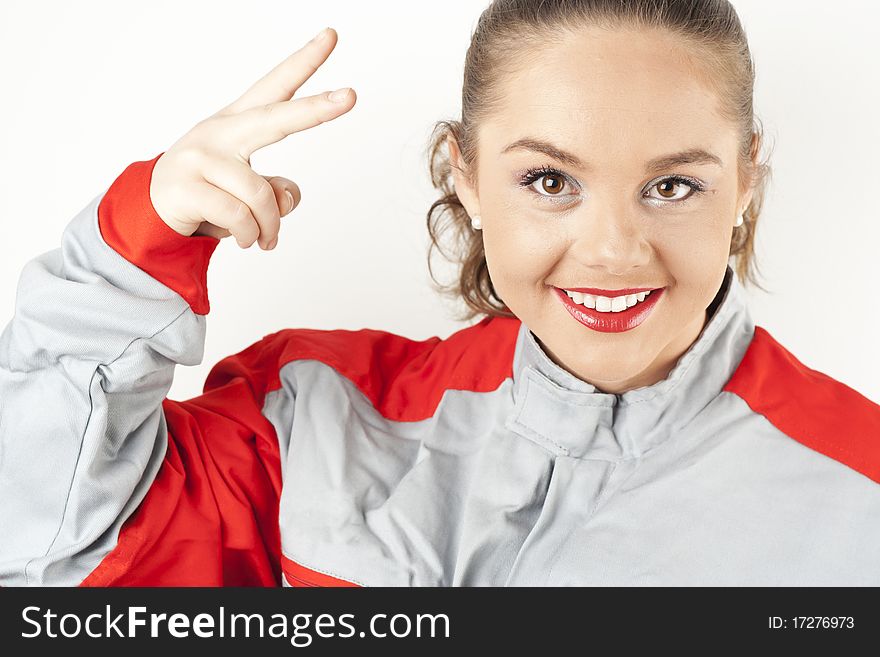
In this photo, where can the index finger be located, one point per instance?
(253, 129)
(281, 82)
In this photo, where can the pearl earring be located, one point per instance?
(476, 222)
(739, 221)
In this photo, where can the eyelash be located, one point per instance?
(531, 176)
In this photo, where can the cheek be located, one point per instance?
(519, 256)
(695, 258)
(686, 256)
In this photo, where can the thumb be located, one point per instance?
(287, 193)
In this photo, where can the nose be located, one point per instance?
(606, 236)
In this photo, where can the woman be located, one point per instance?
(615, 417)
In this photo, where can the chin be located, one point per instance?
(606, 370)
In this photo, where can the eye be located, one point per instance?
(553, 183)
(668, 189)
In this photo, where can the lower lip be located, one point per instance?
(625, 320)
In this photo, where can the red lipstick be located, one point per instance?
(610, 293)
(610, 322)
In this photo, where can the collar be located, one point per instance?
(570, 417)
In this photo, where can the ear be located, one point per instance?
(746, 198)
(460, 178)
(746, 201)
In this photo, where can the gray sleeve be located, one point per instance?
(85, 364)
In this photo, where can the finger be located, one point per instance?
(281, 82)
(282, 186)
(288, 196)
(210, 230)
(242, 182)
(249, 131)
(225, 213)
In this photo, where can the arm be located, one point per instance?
(85, 365)
(102, 479)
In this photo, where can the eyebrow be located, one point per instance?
(690, 156)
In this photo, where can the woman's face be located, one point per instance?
(605, 212)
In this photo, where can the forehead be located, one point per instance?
(617, 92)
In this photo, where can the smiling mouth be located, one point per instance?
(609, 314)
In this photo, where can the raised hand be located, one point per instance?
(204, 185)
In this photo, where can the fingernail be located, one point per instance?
(320, 36)
(339, 95)
(289, 200)
(272, 244)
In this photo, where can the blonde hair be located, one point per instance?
(508, 28)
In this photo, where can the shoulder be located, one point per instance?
(809, 406)
(403, 378)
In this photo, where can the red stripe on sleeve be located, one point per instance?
(298, 575)
(809, 406)
(130, 226)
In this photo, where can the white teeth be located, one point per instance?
(607, 304)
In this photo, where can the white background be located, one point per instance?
(89, 87)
